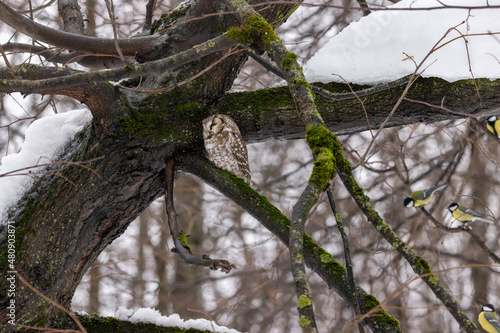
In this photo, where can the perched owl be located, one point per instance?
(225, 146)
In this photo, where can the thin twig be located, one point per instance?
(150, 6)
(24, 25)
(180, 242)
(189, 79)
(364, 7)
(347, 256)
(414, 76)
(111, 13)
(57, 305)
(216, 44)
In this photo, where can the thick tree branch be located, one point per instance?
(327, 94)
(278, 119)
(170, 63)
(129, 46)
(91, 61)
(319, 260)
(257, 31)
(71, 15)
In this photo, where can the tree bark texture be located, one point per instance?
(61, 228)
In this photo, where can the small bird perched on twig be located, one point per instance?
(421, 197)
(488, 320)
(465, 215)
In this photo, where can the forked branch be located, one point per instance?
(72, 41)
(179, 238)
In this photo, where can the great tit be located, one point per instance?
(488, 320)
(465, 215)
(493, 125)
(422, 197)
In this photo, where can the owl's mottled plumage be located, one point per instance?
(225, 146)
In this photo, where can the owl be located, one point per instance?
(225, 146)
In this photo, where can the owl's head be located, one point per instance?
(212, 125)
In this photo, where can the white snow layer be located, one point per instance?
(148, 315)
(44, 139)
(374, 49)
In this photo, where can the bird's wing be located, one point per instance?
(430, 190)
(492, 320)
(477, 217)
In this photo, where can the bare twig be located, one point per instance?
(150, 6)
(179, 238)
(327, 94)
(189, 79)
(347, 256)
(129, 46)
(364, 7)
(90, 60)
(111, 13)
(414, 76)
(29, 173)
(57, 305)
(216, 44)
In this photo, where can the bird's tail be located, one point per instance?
(482, 219)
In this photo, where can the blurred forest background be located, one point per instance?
(139, 270)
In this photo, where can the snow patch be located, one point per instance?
(148, 315)
(43, 141)
(376, 48)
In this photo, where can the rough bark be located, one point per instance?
(62, 228)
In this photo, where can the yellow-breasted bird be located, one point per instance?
(488, 320)
(422, 197)
(493, 125)
(465, 215)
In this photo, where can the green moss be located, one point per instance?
(161, 126)
(42, 320)
(422, 266)
(168, 19)
(319, 136)
(289, 59)
(255, 31)
(303, 321)
(304, 301)
(96, 324)
(370, 302)
(330, 264)
(263, 99)
(325, 258)
(183, 239)
(433, 280)
(321, 140)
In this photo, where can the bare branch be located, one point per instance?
(179, 238)
(82, 78)
(47, 299)
(347, 256)
(71, 15)
(129, 46)
(150, 6)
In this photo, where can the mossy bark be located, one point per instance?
(61, 228)
(72, 213)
